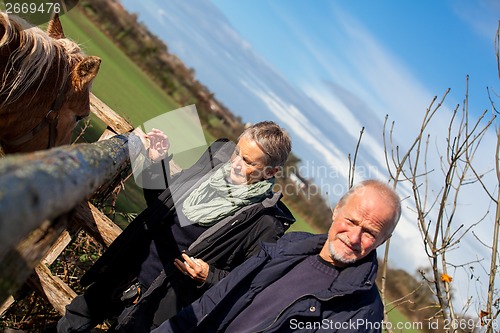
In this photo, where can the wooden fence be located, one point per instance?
(44, 203)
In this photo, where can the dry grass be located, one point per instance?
(32, 312)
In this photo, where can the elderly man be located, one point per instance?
(306, 282)
(211, 218)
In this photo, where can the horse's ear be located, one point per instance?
(85, 72)
(55, 29)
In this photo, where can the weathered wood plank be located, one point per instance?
(39, 187)
(51, 287)
(6, 306)
(71, 231)
(55, 290)
(110, 117)
(17, 265)
(58, 247)
(98, 225)
(43, 185)
(107, 134)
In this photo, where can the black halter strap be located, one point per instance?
(51, 118)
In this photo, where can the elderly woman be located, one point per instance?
(211, 218)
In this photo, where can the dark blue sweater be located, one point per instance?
(311, 274)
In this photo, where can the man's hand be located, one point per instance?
(158, 144)
(196, 269)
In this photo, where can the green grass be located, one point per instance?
(125, 88)
(397, 318)
(301, 225)
(120, 83)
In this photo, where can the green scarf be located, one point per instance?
(216, 198)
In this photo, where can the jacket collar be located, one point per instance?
(281, 211)
(296, 246)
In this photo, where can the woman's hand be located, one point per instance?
(195, 268)
(158, 145)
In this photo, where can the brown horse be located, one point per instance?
(44, 85)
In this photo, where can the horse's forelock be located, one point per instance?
(72, 51)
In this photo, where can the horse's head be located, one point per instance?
(45, 86)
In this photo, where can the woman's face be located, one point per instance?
(248, 163)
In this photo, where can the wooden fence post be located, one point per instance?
(42, 186)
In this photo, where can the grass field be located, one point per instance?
(301, 225)
(125, 88)
(398, 319)
(120, 84)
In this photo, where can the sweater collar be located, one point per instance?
(356, 277)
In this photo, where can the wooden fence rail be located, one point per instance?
(46, 185)
(43, 205)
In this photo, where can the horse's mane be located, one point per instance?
(35, 53)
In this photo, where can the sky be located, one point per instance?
(325, 69)
(437, 42)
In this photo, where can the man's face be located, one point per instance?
(358, 227)
(248, 163)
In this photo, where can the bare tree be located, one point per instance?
(436, 210)
(488, 314)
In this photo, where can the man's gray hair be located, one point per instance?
(272, 139)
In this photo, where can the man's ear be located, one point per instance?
(385, 239)
(270, 172)
(335, 212)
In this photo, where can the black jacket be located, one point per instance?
(351, 304)
(224, 246)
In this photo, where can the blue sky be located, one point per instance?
(324, 69)
(437, 42)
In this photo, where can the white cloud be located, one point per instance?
(480, 15)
